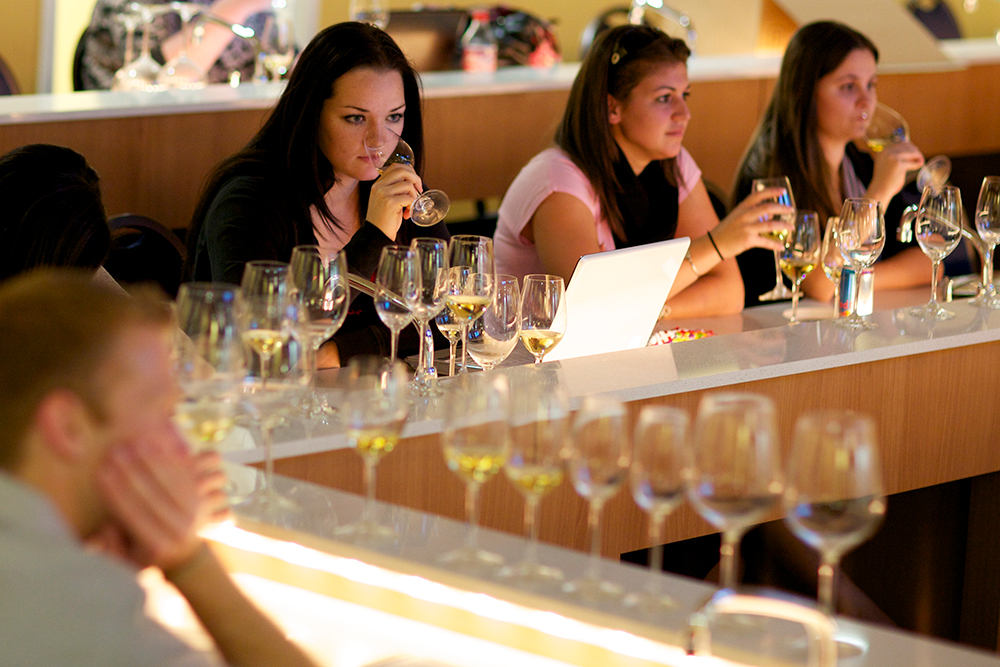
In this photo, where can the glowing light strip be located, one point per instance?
(480, 604)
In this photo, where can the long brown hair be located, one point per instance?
(786, 141)
(615, 65)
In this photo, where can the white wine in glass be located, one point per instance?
(598, 467)
(471, 281)
(543, 313)
(735, 479)
(801, 254)
(780, 291)
(834, 500)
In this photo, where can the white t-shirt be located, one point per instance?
(551, 171)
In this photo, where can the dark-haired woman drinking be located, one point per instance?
(619, 177)
(824, 100)
(306, 178)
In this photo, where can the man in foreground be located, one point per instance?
(88, 453)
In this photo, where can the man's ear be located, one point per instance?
(614, 110)
(64, 424)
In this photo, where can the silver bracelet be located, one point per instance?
(691, 262)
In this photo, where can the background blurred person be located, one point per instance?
(620, 177)
(306, 178)
(822, 102)
(89, 452)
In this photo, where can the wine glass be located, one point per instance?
(451, 329)
(801, 254)
(535, 465)
(834, 500)
(370, 11)
(266, 325)
(543, 313)
(493, 336)
(387, 148)
(735, 478)
(988, 226)
(780, 291)
(476, 440)
(659, 458)
(888, 127)
(141, 73)
(180, 71)
(278, 44)
(938, 228)
(833, 261)
(598, 465)
(320, 283)
(860, 237)
(374, 409)
(431, 262)
(471, 282)
(396, 286)
(210, 361)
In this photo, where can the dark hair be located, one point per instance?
(287, 144)
(614, 65)
(786, 142)
(63, 326)
(52, 213)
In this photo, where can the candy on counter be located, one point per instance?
(678, 336)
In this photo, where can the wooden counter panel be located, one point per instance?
(936, 424)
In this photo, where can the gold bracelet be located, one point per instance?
(691, 262)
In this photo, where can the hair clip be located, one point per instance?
(617, 55)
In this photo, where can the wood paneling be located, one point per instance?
(936, 425)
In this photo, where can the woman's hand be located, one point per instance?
(742, 228)
(391, 197)
(891, 167)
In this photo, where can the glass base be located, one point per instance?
(471, 560)
(593, 589)
(779, 293)
(366, 533)
(652, 604)
(266, 503)
(986, 300)
(854, 322)
(931, 311)
(531, 573)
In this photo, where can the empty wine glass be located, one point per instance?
(320, 283)
(374, 409)
(141, 73)
(210, 361)
(369, 11)
(659, 458)
(988, 226)
(180, 71)
(543, 313)
(938, 228)
(833, 261)
(471, 282)
(780, 291)
(387, 148)
(735, 478)
(834, 500)
(493, 336)
(476, 441)
(598, 465)
(801, 254)
(535, 465)
(278, 44)
(860, 237)
(451, 328)
(396, 286)
(431, 264)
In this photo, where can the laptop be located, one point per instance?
(614, 298)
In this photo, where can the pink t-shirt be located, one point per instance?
(553, 171)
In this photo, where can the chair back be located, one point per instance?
(143, 250)
(8, 84)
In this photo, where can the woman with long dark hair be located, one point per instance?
(619, 177)
(824, 100)
(306, 178)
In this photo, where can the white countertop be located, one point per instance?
(107, 104)
(754, 345)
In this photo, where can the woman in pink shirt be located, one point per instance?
(619, 177)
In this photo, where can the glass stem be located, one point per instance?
(452, 345)
(145, 50)
(934, 283)
(422, 353)
(729, 558)
(988, 269)
(369, 475)
(129, 43)
(472, 512)
(531, 523)
(795, 303)
(855, 295)
(777, 271)
(827, 579)
(267, 438)
(836, 298)
(465, 353)
(393, 344)
(656, 524)
(594, 523)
